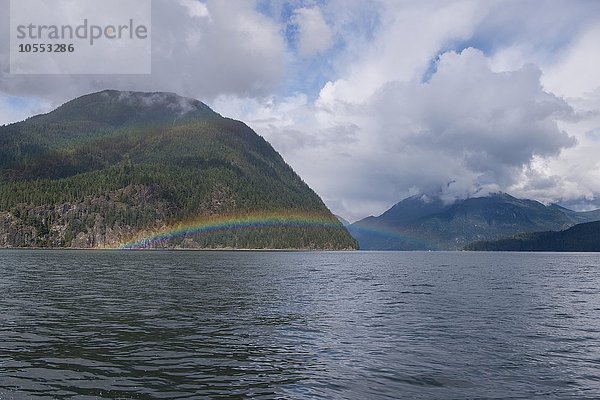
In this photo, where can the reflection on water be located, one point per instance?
(77, 324)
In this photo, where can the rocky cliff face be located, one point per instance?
(95, 222)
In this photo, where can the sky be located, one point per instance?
(372, 101)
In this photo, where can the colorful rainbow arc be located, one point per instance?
(229, 223)
(389, 233)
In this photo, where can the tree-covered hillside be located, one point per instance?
(107, 167)
(581, 237)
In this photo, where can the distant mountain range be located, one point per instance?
(427, 223)
(116, 167)
(581, 237)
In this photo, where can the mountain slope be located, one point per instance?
(110, 167)
(581, 237)
(342, 220)
(421, 223)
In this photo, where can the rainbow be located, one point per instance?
(387, 232)
(219, 224)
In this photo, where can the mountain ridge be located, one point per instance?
(584, 237)
(427, 223)
(106, 166)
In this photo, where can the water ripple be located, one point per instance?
(187, 325)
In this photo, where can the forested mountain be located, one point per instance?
(581, 237)
(108, 167)
(427, 223)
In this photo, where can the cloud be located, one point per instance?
(199, 50)
(594, 134)
(467, 130)
(484, 120)
(577, 72)
(314, 35)
(408, 37)
(373, 101)
(575, 174)
(195, 8)
(489, 122)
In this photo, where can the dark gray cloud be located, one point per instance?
(492, 122)
(199, 50)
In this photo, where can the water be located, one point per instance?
(174, 325)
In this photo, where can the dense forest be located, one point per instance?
(581, 237)
(104, 167)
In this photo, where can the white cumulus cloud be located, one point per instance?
(314, 35)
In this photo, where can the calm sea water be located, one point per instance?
(361, 325)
